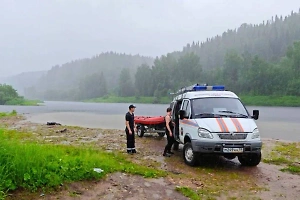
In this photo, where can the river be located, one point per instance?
(274, 122)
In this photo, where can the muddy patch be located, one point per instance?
(114, 186)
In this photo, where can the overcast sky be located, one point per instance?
(37, 34)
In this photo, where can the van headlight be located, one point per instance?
(255, 134)
(203, 133)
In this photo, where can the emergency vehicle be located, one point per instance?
(211, 120)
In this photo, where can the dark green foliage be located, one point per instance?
(243, 74)
(92, 86)
(126, 88)
(9, 96)
(143, 81)
(269, 40)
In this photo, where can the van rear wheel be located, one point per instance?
(189, 156)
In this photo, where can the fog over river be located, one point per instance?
(274, 122)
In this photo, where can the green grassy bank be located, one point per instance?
(23, 102)
(292, 101)
(146, 100)
(8, 114)
(26, 164)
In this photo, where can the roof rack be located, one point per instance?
(188, 88)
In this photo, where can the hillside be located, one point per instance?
(253, 60)
(269, 40)
(23, 80)
(83, 79)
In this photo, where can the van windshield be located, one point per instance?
(218, 107)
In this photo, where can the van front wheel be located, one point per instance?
(252, 159)
(189, 156)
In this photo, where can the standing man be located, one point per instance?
(130, 129)
(169, 133)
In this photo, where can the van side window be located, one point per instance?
(171, 105)
(184, 105)
(187, 107)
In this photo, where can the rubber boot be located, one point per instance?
(166, 153)
(170, 152)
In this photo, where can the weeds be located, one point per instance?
(285, 154)
(188, 192)
(8, 114)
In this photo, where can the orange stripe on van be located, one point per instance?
(220, 125)
(226, 128)
(238, 124)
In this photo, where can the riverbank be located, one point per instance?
(284, 101)
(23, 102)
(74, 152)
(134, 99)
(248, 100)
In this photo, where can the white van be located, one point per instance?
(211, 120)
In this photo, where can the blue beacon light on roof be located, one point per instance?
(215, 87)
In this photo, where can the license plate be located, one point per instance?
(233, 150)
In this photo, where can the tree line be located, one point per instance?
(241, 73)
(269, 39)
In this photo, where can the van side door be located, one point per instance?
(175, 118)
(184, 126)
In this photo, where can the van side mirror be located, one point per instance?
(255, 114)
(182, 114)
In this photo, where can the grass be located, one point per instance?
(146, 100)
(32, 166)
(286, 154)
(23, 102)
(8, 114)
(188, 192)
(291, 101)
(31, 102)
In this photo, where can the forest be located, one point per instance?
(261, 59)
(253, 59)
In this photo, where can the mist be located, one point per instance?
(36, 35)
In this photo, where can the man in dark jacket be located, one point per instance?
(130, 129)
